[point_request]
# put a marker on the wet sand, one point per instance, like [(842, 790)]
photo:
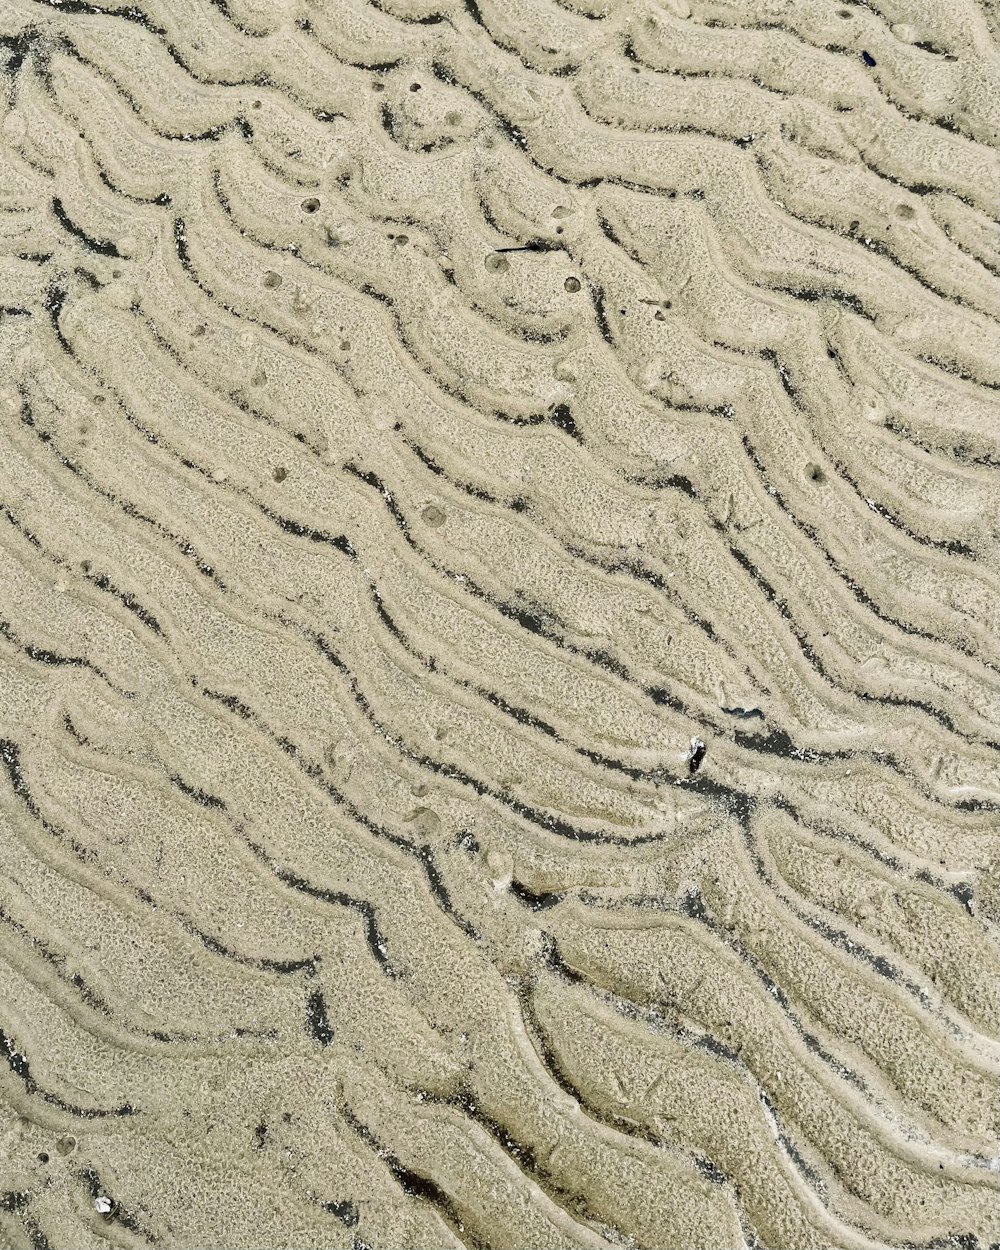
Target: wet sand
[(498, 664)]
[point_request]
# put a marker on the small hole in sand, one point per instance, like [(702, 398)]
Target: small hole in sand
[(310, 206), (497, 264), (905, 211), (414, 86), (402, 240), (272, 279), (66, 1144), (198, 332), (426, 820), (378, 86), (280, 473), (258, 104), (43, 1157), (814, 473), (433, 515), (345, 345), (658, 315), (572, 285), (100, 399), (85, 565), (853, 226), (441, 733), (844, 13)]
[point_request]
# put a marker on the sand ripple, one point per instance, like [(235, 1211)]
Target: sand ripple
[(498, 667)]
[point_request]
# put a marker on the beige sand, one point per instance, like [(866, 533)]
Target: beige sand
[(498, 676)]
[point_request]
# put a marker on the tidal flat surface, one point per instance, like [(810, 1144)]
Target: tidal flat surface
[(498, 625)]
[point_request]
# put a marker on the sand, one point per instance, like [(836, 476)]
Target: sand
[(498, 655)]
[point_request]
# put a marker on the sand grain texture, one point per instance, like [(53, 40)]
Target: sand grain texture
[(498, 666)]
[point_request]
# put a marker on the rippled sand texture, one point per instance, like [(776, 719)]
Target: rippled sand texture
[(420, 423)]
